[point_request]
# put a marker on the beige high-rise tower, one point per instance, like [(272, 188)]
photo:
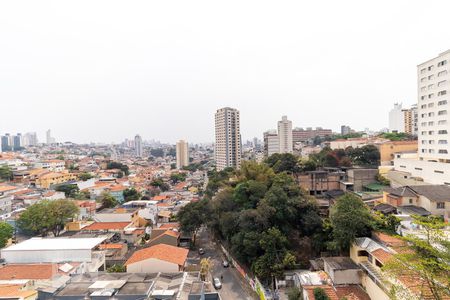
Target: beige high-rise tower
[(228, 138), (182, 154), (285, 135)]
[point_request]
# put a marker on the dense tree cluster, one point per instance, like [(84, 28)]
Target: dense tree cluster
[(400, 136), (117, 165), (178, 177), (5, 173), (85, 176), (159, 183), (6, 232), (107, 200), (131, 194), (47, 216), (70, 190), (157, 152)]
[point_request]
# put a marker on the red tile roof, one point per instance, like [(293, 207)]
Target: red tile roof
[(164, 252), (351, 292), (382, 255), (331, 293), (107, 226), (111, 246), (28, 271), (169, 225)]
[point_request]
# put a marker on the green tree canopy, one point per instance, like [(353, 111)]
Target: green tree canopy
[(131, 194), (426, 258), (350, 218), (6, 232), (192, 216), (160, 184), (158, 152), (117, 165), (5, 173), (85, 176), (47, 216), (284, 162), (107, 200), (70, 190)]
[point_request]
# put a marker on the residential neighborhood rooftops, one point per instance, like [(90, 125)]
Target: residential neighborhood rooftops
[(340, 263), (162, 252), (432, 192), (107, 226), (28, 271)]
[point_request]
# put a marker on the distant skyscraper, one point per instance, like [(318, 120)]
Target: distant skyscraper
[(17, 141), (228, 138), (49, 139), (285, 135), (182, 154), (30, 139), (396, 119), (138, 146), (6, 142), (271, 143), (345, 130)]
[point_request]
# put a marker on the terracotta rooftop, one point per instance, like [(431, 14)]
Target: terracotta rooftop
[(351, 292), (164, 252), (331, 293), (28, 271), (111, 246), (107, 226), (382, 255), (14, 291)]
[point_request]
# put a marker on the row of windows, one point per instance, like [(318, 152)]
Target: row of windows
[(441, 151), (431, 142), (431, 123), (430, 68), (431, 114), (431, 132)]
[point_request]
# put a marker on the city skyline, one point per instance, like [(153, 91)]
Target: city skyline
[(178, 75)]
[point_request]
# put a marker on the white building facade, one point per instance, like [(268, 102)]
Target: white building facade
[(271, 143), (138, 150), (396, 119), (228, 151), (285, 135)]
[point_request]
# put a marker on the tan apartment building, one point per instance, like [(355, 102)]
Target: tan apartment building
[(387, 150)]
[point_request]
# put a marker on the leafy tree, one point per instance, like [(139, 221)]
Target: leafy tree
[(60, 157), (382, 180), (387, 223), (160, 184), (6, 232), (5, 173), (350, 219), (276, 257), (117, 268), (284, 162), (158, 152), (400, 136), (192, 216), (120, 174), (108, 201), (172, 152), (85, 176), (320, 294), (131, 194), (173, 166), (47, 216), (366, 155), (178, 177), (70, 190), (117, 165), (206, 266), (426, 258), (294, 293)]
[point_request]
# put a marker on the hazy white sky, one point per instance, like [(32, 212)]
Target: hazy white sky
[(106, 70)]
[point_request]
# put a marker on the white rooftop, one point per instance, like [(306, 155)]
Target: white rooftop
[(34, 244)]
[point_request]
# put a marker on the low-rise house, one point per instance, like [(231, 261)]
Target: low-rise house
[(342, 270), (49, 179), (158, 258), (122, 214), (432, 198), (17, 289), (54, 165), (168, 237)]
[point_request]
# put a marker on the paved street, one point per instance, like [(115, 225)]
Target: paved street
[(232, 284)]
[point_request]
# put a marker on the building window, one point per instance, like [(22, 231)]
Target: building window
[(430, 68), (430, 123), (439, 172), (431, 114), (442, 112), (443, 151), (423, 70), (442, 102), (423, 106), (442, 132), (442, 93), (431, 142), (440, 205), (423, 79), (418, 169), (430, 96), (442, 142), (423, 89), (431, 77), (430, 150), (430, 104), (422, 97), (442, 63), (410, 200), (442, 83), (442, 73), (430, 86), (424, 133)]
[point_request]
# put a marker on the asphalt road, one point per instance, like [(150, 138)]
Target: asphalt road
[(233, 287)]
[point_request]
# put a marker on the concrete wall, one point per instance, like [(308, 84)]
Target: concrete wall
[(372, 289), (152, 265), (430, 172)]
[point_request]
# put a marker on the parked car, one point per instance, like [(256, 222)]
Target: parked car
[(217, 283), (201, 251), (225, 264)]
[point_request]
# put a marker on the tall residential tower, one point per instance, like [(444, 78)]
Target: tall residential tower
[(138, 146), (228, 138), (285, 135), (182, 154)]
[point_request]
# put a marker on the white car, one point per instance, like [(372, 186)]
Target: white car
[(217, 283)]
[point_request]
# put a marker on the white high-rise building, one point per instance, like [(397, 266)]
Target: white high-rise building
[(271, 143), (285, 135), (396, 119), (433, 109), (182, 154), (228, 138), (432, 162), (49, 139), (30, 139), (138, 146)]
